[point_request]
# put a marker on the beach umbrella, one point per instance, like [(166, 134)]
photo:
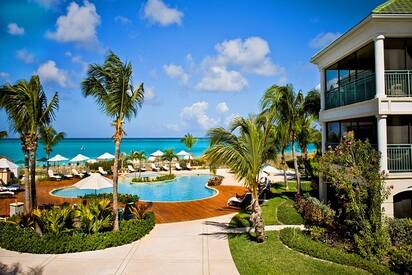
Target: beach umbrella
[(95, 182), (151, 159), (91, 161), (156, 154), (271, 170), (187, 157), (57, 158), (182, 153), (105, 156), (6, 164), (79, 158)]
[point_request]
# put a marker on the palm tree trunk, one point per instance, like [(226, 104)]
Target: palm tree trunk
[(170, 168), (256, 217), (33, 175), (295, 164), (285, 178), (115, 183), (27, 187)]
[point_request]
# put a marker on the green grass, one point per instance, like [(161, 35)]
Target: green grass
[(272, 257), (287, 213)]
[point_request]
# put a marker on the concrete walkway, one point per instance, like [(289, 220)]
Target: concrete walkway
[(195, 247)]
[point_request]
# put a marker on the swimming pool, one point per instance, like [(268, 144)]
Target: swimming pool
[(183, 188)]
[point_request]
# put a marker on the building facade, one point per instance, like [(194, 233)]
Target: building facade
[(366, 87)]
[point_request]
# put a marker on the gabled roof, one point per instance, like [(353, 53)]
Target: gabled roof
[(394, 7)]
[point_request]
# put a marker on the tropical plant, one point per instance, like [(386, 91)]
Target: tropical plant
[(168, 156), (95, 215), (244, 154), (137, 155), (28, 111), (138, 210), (312, 103), (111, 85), (285, 105), (49, 137), (306, 134), (3, 134), (55, 221), (189, 141), (282, 137)]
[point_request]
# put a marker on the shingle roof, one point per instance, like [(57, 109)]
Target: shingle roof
[(394, 7)]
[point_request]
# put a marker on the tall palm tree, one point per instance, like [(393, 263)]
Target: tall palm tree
[(168, 156), (286, 105), (139, 155), (49, 137), (312, 103), (304, 137), (3, 134), (111, 85), (282, 136), (189, 141), (28, 110), (244, 154)]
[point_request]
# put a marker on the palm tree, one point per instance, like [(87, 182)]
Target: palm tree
[(286, 105), (244, 154), (111, 85), (28, 111), (304, 137), (312, 103), (168, 156), (282, 136), (49, 137), (3, 134), (139, 155), (189, 141)]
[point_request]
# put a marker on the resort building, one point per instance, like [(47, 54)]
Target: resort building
[(366, 87)]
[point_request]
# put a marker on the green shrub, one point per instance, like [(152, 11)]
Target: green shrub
[(314, 212), (158, 178), (54, 221), (215, 181), (287, 213), (95, 216), (123, 198), (401, 259), (106, 165), (294, 239), (241, 219), (400, 231), (27, 240)]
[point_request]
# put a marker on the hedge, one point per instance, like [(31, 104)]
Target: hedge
[(157, 179), (294, 239), (123, 198), (27, 240)]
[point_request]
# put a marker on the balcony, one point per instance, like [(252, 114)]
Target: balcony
[(348, 92), (400, 158), (398, 83)]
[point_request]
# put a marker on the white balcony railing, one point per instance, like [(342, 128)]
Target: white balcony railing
[(398, 83), (400, 158)]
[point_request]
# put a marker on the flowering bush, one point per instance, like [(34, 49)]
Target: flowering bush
[(314, 212)]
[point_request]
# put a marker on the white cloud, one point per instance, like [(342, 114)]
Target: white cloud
[(218, 78), (149, 93), (197, 113), (4, 75), (78, 25), (77, 59), (158, 12), (48, 3), (222, 107), (15, 29), (229, 119), (323, 39), (25, 56), (176, 72), (50, 72), (122, 20)]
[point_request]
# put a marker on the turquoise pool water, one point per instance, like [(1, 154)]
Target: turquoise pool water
[(183, 188)]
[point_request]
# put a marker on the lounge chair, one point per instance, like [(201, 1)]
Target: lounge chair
[(155, 168), (68, 176), (241, 202), (6, 193), (53, 176), (13, 188), (142, 169), (188, 166), (178, 167), (77, 174), (101, 171), (165, 167), (130, 169)]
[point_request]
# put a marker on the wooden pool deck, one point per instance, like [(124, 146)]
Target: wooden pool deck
[(165, 212)]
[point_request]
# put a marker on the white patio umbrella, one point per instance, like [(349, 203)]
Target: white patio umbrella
[(57, 158), (182, 153), (151, 159), (79, 158), (105, 156), (156, 154), (6, 164), (271, 170), (95, 181), (189, 156)]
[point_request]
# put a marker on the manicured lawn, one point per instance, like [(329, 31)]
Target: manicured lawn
[(272, 257)]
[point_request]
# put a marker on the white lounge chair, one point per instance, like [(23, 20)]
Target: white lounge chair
[(8, 193), (77, 174), (68, 176), (165, 167), (142, 169), (188, 166), (53, 176), (101, 171), (178, 167), (155, 168), (130, 169)]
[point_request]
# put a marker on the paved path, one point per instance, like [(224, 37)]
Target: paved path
[(194, 247)]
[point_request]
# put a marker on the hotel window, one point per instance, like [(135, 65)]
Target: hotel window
[(363, 129), (399, 130), (398, 54)]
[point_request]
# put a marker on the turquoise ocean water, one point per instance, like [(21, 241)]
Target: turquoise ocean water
[(94, 147)]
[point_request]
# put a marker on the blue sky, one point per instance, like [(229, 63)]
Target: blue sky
[(202, 62)]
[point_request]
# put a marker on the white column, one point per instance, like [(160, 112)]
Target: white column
[(322, 89), (322, 185), (380, 66), (382, 142)]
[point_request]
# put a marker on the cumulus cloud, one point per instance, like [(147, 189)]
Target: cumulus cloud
[(323, 39), (176, 72), (149, 93), (197, 113), (222, 107), (14, 29), (4, 75), (49, 72), (25, 56), (77, 59), (78, 25), (219, 78), (158, 12), (122, 20)]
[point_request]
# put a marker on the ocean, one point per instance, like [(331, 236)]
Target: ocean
[(94, 147)]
